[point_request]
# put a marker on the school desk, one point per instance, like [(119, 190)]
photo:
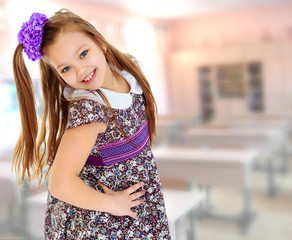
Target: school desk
[(183, 208), (212, 167), (281, 125), (265, 140)]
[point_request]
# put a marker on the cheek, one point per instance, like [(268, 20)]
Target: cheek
[(69, 79)]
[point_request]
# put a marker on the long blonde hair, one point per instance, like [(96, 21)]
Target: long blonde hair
[(36, 148)]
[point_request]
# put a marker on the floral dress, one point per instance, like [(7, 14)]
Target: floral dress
[(65, 221)]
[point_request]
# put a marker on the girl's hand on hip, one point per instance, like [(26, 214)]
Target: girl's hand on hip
[(124, 200)]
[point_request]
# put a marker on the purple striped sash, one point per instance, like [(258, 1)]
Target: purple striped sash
[(121, 150)]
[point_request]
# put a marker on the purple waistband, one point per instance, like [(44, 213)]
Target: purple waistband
[(121, 150)]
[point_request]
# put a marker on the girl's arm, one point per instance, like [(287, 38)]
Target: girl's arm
[(66, 185)]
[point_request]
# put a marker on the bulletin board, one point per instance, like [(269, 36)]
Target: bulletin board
[(230, 81)]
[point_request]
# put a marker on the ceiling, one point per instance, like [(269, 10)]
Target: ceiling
[(179, 8)]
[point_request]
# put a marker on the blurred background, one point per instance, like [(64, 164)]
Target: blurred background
[(221, 73)]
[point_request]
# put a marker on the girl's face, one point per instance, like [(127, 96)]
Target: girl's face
[(79, 60)]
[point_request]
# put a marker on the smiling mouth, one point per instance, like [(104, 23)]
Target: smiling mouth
[(89, 77)]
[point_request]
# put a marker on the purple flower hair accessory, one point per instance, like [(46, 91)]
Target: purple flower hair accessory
[(31, 34)]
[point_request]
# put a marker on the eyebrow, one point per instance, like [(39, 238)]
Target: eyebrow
[(77, 51)]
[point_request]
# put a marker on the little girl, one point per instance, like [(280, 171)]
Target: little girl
[(97, 127)]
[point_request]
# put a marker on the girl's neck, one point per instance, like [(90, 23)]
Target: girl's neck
[(115, 82)]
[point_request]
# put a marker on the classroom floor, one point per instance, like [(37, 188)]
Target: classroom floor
[(273, 221), (274, 218)]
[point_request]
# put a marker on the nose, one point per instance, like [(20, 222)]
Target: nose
[(80, 71)]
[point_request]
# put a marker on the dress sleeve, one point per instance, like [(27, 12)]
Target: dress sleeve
[(86, 111)]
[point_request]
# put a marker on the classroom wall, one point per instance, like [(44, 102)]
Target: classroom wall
[(239, 36), (174, 49)]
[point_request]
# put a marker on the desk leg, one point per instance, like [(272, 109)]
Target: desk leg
[(244, 220), (284, 159), (248, 214), (209, 207), (272, 188), (193, 216), (23, 220), (206, 206), (173, 230)]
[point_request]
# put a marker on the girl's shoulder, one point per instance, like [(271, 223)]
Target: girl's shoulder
[(85, 111), (77, 95)]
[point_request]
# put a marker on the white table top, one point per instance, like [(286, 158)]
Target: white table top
[(39, 198), (220, 167), (248, 123), (178, 203), (264, 139), (203, 154), (6, 171), (230, 131), (9, 189), (276, 115)]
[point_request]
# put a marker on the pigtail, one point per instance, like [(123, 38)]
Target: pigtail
[(55, 114), (24, 153)]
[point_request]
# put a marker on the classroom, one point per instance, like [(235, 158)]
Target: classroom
[(220, 73)]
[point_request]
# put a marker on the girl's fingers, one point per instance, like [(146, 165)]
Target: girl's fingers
[(104, 187), (134, 196), (133, 215), (135, 187), (137, 202)]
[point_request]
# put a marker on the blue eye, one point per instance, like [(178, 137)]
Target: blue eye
[(65, 69), (83, 54)]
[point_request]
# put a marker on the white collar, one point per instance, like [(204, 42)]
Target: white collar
[(117, 100)]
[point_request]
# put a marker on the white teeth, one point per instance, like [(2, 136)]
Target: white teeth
[(88, 78)]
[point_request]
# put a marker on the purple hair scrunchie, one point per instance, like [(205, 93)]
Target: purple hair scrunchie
[(31, 34)]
